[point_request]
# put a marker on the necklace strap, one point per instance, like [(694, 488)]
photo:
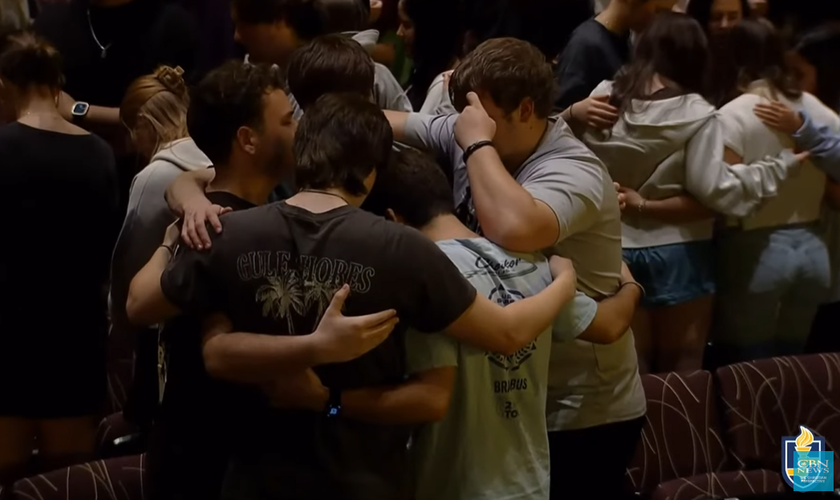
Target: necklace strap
[(328, 193)]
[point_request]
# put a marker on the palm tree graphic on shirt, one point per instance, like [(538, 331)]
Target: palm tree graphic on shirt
[(281, 298), (286, 296)]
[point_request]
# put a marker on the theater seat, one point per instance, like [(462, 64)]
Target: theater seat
[(767, 399), (112, 479), (720, 485), (681, 437), (116, 437)]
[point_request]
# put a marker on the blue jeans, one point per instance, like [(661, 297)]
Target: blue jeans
[(770, 284)]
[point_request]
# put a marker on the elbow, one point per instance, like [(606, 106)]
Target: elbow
[(136, 309), (214, 361), (512, 342), (515, 235)]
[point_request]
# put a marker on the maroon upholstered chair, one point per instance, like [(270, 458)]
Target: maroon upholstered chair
[(732, 484), (767, 399), (681, 454), (681, 436), (113, 479), (116, 437)]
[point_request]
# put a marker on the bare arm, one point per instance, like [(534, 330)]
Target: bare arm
[(187, 187), (487, 325), (614, 316), (146, 304), (252, 358), (424, 398), (519, 222), (675, 210)]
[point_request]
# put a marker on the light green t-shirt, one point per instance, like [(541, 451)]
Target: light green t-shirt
[(492, 444)]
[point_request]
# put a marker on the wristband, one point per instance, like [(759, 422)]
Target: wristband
[(642, 205), (171, 250), (475, 147), (333, 409)]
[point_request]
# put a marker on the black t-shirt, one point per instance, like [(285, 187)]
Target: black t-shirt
[(274, 269), (59, 231), (198, 416), (593, 54), (139, 36)]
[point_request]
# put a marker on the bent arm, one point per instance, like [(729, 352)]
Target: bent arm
[(716, 177), (146, 304), (509, 215), (424, 398), (676, 210), (614, 316), (489, 326), (188, 186), (252, 358), (823, 143)]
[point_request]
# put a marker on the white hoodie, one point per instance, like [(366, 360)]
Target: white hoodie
[(146, 221), (665, 148)]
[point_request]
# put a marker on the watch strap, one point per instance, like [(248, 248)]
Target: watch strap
[(333, 409)]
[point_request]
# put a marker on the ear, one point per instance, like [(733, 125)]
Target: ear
[(391, 216), (526, 110), (247, 140)]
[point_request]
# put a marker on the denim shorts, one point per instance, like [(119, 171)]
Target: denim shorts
[(673, 274)]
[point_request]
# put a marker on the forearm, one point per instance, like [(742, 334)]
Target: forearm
[(251, 358), (146, 303), (823, 144), (411, 403), (525, 320), (614, 316), (188, 186), (102, 116), (675, 210), (508, 214)]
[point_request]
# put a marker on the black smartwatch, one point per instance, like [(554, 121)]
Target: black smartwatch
[(79, 111), (333, 409)]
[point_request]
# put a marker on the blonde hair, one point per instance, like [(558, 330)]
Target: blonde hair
[(14, 14), (162, 99)]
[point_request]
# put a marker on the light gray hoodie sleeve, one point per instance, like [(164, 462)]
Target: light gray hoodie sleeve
[(389, 93), (733, 190)]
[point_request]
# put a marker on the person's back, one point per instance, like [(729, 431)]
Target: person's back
[(800, 198), (46, 173), (52, 353), (507, 394)]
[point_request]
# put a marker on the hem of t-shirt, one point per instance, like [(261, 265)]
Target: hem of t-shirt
[(597, 423)]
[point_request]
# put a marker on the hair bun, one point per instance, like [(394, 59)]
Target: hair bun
[(172, 79)]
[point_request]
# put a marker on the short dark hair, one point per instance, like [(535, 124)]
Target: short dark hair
[(229, 97), (308, 18), (509, 70), (819, 47), (340, 141), (28, 60), (414, 187), (330, 64)]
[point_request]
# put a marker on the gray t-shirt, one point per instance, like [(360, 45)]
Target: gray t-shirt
[(497, 414), (590, 384)]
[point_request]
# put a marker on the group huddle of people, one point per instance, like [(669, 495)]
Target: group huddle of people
[(344, 285)]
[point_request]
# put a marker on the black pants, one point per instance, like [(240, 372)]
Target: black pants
[(591, 463), (825, 332)]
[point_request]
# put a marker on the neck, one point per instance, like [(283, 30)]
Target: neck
[(447, 227), (36, 102), (253, 188), (323, 200), (614, 18), (528, 140)]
